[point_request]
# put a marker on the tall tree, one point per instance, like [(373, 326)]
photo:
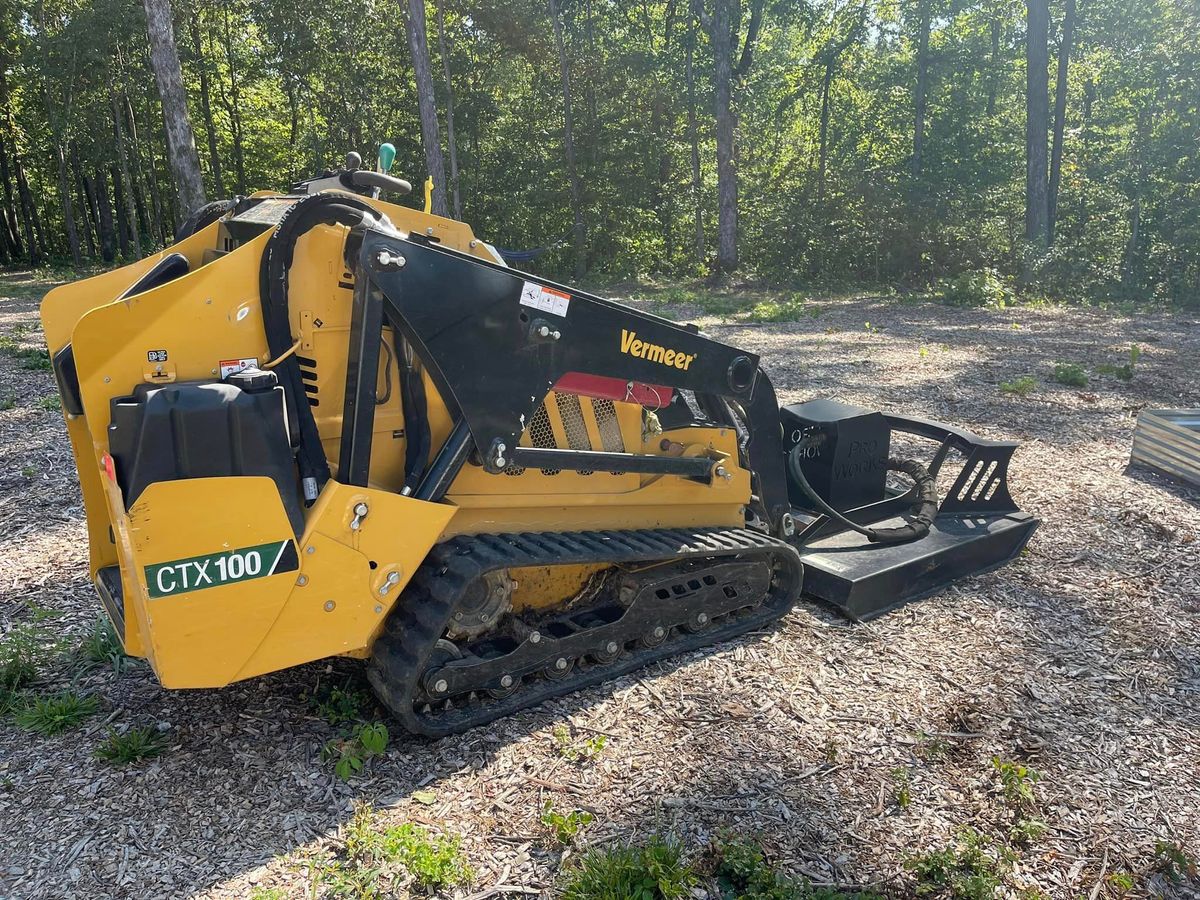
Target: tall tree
[(921, 90), (724, 29), (418, 43), (1060, 117), (1037, 117), (452, 144), (579, 227), (181, 142)]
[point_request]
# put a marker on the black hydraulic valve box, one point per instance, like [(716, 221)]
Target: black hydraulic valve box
[(842, 451)]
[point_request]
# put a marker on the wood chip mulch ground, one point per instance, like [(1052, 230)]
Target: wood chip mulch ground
[(1080, 660)]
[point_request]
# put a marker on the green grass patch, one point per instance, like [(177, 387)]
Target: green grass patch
[(50, 714), (50, 403), (131, 745), (652, 871), (102, 646), (36, 358), (1070, 374), (788, 309), (578, 751), (1022, 387), (7, 403)]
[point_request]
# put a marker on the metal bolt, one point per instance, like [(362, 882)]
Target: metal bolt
[(302, 580), (458, 617), (378, 610), (702, 619), (329, 605), (500, 448), (383, 590), (611, 647), (556, 335), (360, 509), (386, 259), (107, 379), (506, 681), (429, 230), (535, 637), (659, 631), (310, 549), (501, 462), (473, 244), (722, 472), (560, 663), (441, 686), (543, 331), (393, 577), (788, 525)]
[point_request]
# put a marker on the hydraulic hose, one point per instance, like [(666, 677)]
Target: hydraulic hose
[(923, 511)]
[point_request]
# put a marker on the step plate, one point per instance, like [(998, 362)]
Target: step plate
[(864, 580)]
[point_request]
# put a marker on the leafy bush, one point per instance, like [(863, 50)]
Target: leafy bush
[(1022, 387), (972, 869), (20, 651), (132, 745), (1125, 370), (743, 874), (982, 287), (350, 753), (1070, 374), (51, 714), (1173, 861), (1016, 783), (564, 827), (434, 861), (652, 871)]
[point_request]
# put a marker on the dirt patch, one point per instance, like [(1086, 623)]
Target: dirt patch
[(1080, 660)]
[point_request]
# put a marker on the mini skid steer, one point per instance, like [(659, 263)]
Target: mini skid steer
[(322, 424)]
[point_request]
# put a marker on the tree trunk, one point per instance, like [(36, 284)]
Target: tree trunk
[(11, 215), (579, 227), (123, 187), (1060, 115), (722, 36), (181, 143), (68, 206), (104, 216), (994, 68), (694, 138), (823, 137), (426, 104), (140, 201), (1037, 116), (233, 106), (124, 229), (89, 212), (441, 24), (922, 88), (210, 129)]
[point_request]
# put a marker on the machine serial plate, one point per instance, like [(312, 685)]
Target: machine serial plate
[(182, 576)]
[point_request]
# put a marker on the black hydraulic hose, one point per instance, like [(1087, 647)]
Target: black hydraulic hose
[(924, 509), (304, 215)]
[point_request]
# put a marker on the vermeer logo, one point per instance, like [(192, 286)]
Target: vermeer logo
[(653, 352)]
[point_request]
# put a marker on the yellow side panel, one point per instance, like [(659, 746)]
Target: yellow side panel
[(202, 638), (351, 577)]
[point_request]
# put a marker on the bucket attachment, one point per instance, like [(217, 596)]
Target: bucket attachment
[(841, 454)]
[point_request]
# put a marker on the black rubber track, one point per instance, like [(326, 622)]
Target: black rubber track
[(402, 652)]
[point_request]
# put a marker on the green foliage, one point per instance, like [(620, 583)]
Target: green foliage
[(1070, 374), (350, 753), (341, 706), (20, 653), (102, 646), (973, 868), (1016, 783), (1173, 861), (743, 874), (654, 870), (374, 852), (1121, 881), (50, 403), (564, 827), (1022, 386), (902, 787), (789, 309), (982, 287), (1026, 831), (577, 751), (7, 403), (36, 358), (131, 745), (266, 893), (1125, 370), (50, 714)]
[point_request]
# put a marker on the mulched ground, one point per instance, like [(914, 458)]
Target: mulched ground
[(1081, 660)]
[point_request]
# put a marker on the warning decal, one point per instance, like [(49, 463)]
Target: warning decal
[(545, 299), (233, 366)]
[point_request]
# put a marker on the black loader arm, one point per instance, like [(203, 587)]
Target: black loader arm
[(495, 341)]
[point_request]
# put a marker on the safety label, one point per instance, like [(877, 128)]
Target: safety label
[(233, 366), (182, 576), (546, 299)]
